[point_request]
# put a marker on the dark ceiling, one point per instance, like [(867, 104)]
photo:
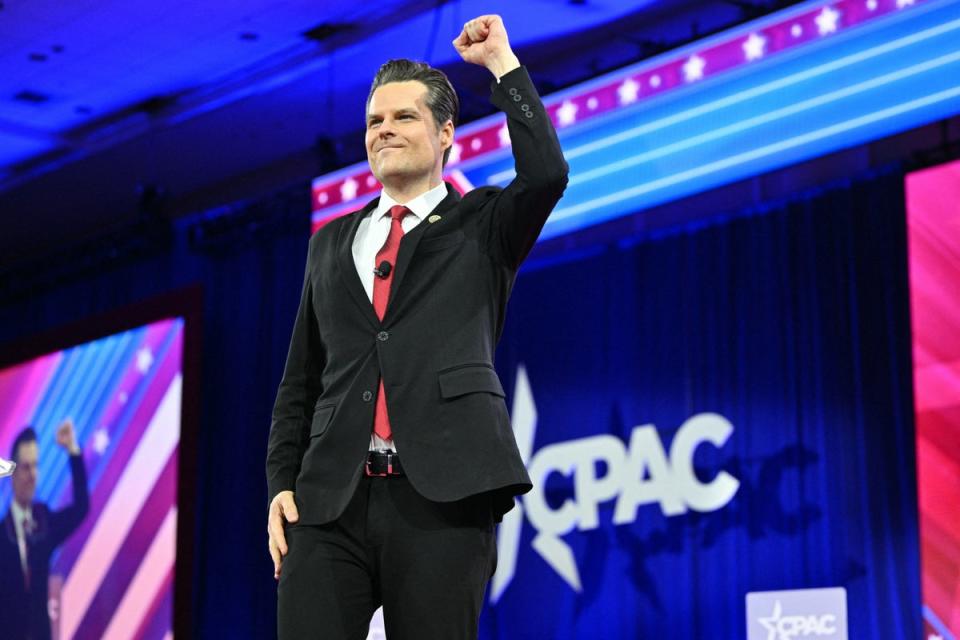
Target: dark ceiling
[(111, 111)]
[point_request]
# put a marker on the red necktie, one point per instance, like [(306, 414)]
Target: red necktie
[(381, 293)]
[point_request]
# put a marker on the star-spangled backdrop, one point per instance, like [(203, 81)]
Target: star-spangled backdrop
[(800, 83), (123, 393), (786, 318)]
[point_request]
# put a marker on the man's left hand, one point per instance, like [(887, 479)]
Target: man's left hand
[(483, 41), (67, 437)]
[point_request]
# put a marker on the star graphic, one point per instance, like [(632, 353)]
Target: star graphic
[(655, 81), (693, 68), (144, 360), (101, 440), (592, 103), (504, 135), (796, 30), (627, 92), (122, 398), (371, 181), (827, 20), (475, 144), (348, 190), (455, 152), (904, 3), (872, 5), (567, 113), (523, 416), (770, 623), (754, 47), (323, 197)]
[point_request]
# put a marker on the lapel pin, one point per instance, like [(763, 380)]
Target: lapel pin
[(433, 218)]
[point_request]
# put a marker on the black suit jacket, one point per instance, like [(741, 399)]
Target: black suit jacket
[(434, 347), (23, 614)]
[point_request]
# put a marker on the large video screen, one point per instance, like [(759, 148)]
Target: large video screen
[(90, 513), (933, 221)]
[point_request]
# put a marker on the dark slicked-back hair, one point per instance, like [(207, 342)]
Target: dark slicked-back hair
[(441, 98), (26, 435)]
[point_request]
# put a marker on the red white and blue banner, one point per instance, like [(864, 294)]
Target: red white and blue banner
[(813, 79), (113, 577)]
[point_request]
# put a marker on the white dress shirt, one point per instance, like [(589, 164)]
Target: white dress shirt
[(372, 235)]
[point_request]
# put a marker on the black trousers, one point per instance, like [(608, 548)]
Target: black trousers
[(427, 563)]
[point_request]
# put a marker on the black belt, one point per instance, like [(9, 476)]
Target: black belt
[(383, 463)]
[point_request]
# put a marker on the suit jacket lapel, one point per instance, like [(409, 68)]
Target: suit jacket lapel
[(348, 268), (409, 242), (10, 527)]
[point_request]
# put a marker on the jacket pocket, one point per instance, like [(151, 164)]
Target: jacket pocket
[(438, 243), (321, 418), (469, 379)]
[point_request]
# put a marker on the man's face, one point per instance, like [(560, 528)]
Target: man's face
[(25, 475), (404, 144)]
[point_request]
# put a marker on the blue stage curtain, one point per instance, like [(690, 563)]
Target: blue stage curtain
[(791, 321)]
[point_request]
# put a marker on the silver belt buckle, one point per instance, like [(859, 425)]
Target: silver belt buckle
[(390, 455)]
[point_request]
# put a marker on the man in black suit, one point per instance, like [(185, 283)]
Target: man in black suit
[(391, 454), (31, 533)]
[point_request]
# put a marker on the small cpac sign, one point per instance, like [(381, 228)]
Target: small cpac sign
[(802, 614)]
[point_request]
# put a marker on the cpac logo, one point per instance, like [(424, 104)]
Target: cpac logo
[(639, 474), (788, 627), (814, 613)]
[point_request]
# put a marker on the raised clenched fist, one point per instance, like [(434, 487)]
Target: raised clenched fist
[(67, 437), (483, 41)]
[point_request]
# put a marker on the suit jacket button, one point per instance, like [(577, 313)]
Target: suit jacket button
[(383, 336), (367, 396)]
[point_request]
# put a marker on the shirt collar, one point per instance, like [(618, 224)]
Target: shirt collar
[(19, 512), (421, 206)]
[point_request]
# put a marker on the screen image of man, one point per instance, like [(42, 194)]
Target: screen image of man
[(391, 454), (31, 532)]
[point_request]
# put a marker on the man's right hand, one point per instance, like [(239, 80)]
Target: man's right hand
[(282, 509)]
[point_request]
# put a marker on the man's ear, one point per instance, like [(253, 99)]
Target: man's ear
[(446, 135)]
